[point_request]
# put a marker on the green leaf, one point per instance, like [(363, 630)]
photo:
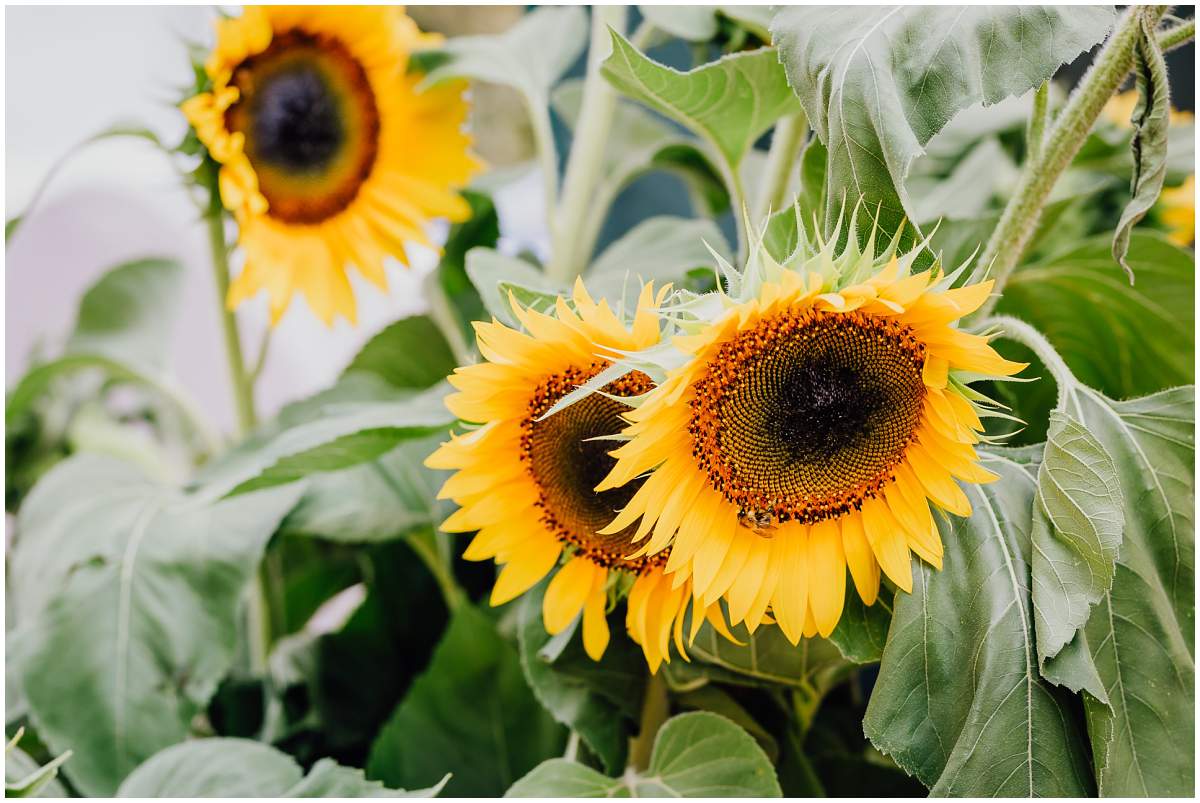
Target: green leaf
[(1135, 657), (764, 658), (127, 596), (123, 326), (410, 353), (599, 700), (697, 754), (1124, 341), (345, 434), (482, 228), (660, 249), (877, 83), (693, 23), (1151, 118), (531, 56), (959, 702), (716, 700), (1077, 523), (245, 768), (862, 631), (470, 714), (729, 102), (495, 275)]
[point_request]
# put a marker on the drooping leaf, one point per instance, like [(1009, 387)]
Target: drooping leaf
[(127, 596), (1078, 518), (1124, 341), (531, 56), (1135, 657), (470, 714), (698, 754), (1151, 118), (219, 767), (877, 83), (598, 700), (729, 102), (959, 702)]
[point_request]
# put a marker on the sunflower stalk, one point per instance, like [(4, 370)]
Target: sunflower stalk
[(1019, 221), (1021, 332), (786, 144), (655, 708), (587, 151), (427, 551)]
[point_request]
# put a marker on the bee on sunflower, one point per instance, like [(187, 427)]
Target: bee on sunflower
[(330, 154), (525, 480), (811, 418)]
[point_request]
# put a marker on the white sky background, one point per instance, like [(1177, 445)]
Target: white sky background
[(73, 71)]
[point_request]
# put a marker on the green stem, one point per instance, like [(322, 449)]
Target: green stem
[(1035, 133), (543, 140), (1019, 221), (1021, 332), (441, 312), (587, 150), (781, 159), (243, 390), (655, 707), (737, 202), (1177, 36), (440, 570)]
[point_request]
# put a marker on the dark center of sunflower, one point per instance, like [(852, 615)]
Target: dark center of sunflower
[(308, 113), (567, 465), (808, 413)]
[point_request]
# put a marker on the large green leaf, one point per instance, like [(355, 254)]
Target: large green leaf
[(599, 700), (127, 596), (244, 768), (1124, 341), (878, 82), (1078, 519), (959, 702), (1135, 657), (764, 658), (729, 102), (496, 275), (659, 249), (470, 714), (530, 56), (698, 754), (24, 777)]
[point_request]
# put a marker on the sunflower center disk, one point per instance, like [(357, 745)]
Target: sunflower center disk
[(808, 413), (566, 465), (311, 125)]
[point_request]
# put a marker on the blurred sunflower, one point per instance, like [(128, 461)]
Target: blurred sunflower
[(811, 423), (330, 156), (525, 480), (1177, 211)]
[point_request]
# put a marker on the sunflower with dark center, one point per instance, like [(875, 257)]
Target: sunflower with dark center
[(330, 156), (808, 430), (525, 478)]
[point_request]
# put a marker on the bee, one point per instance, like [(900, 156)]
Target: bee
[(761, 524)]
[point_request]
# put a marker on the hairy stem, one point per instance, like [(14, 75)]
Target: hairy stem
[(1019, 221), (587, 150), (239, 380), (655, 707), (1178, 36), (781, 159), (543, 140), (1035, 133), (1021, 332)]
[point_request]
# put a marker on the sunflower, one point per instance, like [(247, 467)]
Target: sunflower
[(525, 479), (810, 425), (330, 156)]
